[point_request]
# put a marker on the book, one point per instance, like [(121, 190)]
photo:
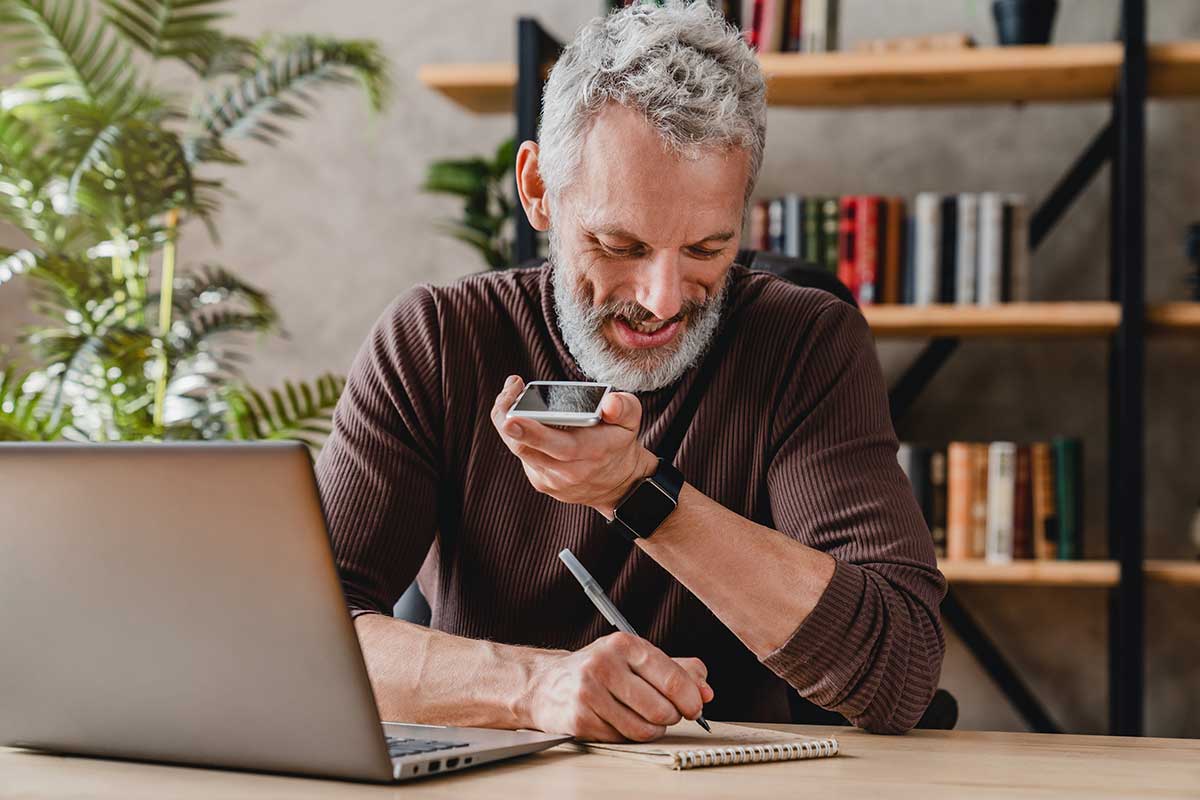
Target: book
[(979, 499), (1023, 505), (928, 249), (813, 253), (775, 225), (1000, 491), (792, 226), (1067, 455), (814, 13), (959, 500), (937, 500), (687, 746), (893, 252), (966, 254), (848, 244), (772, 31), (908, 294), (989, 287), (794, 37), (1006, 252), (752, 11), (866, 255), (1020, 263), (758, 226), (830, 221), (1045, 515), (948, 250)]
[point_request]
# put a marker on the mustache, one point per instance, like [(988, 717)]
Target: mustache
[(635, 313)]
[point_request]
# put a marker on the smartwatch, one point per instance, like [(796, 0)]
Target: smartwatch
[(649, 503)]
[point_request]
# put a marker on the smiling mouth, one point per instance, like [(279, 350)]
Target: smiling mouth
[(645, 335)]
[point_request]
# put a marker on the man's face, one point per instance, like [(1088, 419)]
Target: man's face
[(641, 244)]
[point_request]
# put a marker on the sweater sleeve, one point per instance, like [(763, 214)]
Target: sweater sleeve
[(378, 472), (872, 647)]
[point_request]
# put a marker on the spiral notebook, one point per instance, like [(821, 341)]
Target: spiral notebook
[(686, 746)]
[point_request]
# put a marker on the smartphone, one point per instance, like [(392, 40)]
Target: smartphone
[(560, 403)]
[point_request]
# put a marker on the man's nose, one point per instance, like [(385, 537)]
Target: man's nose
[(660, 287)]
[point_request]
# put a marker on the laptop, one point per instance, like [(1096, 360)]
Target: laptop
[(179, 603)]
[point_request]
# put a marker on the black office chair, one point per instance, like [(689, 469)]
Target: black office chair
[(942, 713)]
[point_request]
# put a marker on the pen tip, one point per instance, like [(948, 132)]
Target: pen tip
[(703, 723)]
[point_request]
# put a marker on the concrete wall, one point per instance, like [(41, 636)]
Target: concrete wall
[(333, 224)]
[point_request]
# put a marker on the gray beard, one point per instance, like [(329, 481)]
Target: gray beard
[(582, 324)]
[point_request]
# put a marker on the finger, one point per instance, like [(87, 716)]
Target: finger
[(560, 445), (512, 389), (629, 723), (671, 680), (623, 409), (695, 667), (631, 690)]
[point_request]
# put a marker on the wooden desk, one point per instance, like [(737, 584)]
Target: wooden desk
[(923, 764)]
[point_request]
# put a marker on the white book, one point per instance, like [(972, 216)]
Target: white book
[(775, 225), (989, 288), (967, 252), (1019, 256), (1002, 481), (791, 225), (813, 28), (927, 229), (904, 454)]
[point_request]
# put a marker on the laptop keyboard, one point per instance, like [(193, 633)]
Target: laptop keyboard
[(398, 747)]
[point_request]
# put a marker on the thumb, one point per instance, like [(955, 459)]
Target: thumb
[(622, 408)]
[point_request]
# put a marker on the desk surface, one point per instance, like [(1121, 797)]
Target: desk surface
[(923, 764)]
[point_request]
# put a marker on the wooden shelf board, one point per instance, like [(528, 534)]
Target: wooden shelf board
[(1173, 319), (1033, 573), (1055, 73), (1008, 319), (482, 88), (1180, 573)]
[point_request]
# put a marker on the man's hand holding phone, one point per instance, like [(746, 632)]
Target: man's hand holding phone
[(593, 466)]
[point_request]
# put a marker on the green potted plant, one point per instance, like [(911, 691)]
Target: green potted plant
[(100, 169), (485, 185)]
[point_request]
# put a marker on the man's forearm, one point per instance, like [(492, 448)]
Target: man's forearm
[(427, 676), (759, 582)]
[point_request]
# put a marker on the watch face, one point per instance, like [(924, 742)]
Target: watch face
[(645, 509)]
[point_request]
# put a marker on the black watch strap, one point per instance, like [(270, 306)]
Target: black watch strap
[(667, 483)]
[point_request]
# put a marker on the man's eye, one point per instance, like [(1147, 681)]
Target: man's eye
[(621, 252), (704, 252)]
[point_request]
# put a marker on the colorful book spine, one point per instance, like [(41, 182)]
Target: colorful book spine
[(758, 226), (849, 244), (948, 250), (959, 500), (1021, 278), (1000, 493), (1045, 515), (775, 226), (866, 255), (814, 254), (830, 228), (894, 253), (794, 41), (937, 500), (793, 229), (1023, 505), (979, 499)]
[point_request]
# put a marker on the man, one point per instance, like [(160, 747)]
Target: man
[(796, 559)]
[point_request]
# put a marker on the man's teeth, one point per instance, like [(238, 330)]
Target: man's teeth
[(646, 327)]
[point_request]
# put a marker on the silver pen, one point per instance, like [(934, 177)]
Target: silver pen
[(604, 605)]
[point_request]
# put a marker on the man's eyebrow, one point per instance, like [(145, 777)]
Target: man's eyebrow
[(621, 233)]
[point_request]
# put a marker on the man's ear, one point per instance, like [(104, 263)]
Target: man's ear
[(530, 187)]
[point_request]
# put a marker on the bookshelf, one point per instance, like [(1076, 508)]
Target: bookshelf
[(1034, 74), (1122, 75)]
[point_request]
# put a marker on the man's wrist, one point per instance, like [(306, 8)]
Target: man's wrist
[(646, 465)]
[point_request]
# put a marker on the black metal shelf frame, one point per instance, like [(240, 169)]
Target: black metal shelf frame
[(1121, 144)]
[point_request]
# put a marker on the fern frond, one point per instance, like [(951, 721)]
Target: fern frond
[(256, 104), (176, 29), (15, 262), (302, 411), (57, 47), (23, 414)]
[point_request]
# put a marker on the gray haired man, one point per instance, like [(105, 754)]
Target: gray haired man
[(795, 559)]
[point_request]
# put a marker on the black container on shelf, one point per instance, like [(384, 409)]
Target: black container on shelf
[(1024, 21)]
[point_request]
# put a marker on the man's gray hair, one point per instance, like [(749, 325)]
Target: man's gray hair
[(681, 65)]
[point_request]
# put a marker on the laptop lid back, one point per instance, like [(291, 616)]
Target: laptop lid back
[(178, 602)]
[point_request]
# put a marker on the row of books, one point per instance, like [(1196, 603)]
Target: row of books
[(964, 249), (1000, 501), (778, 26)]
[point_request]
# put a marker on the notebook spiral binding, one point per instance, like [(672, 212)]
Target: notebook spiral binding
[(722, 756)]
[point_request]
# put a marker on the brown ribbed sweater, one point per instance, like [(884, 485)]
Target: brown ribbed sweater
[(793, 432)]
